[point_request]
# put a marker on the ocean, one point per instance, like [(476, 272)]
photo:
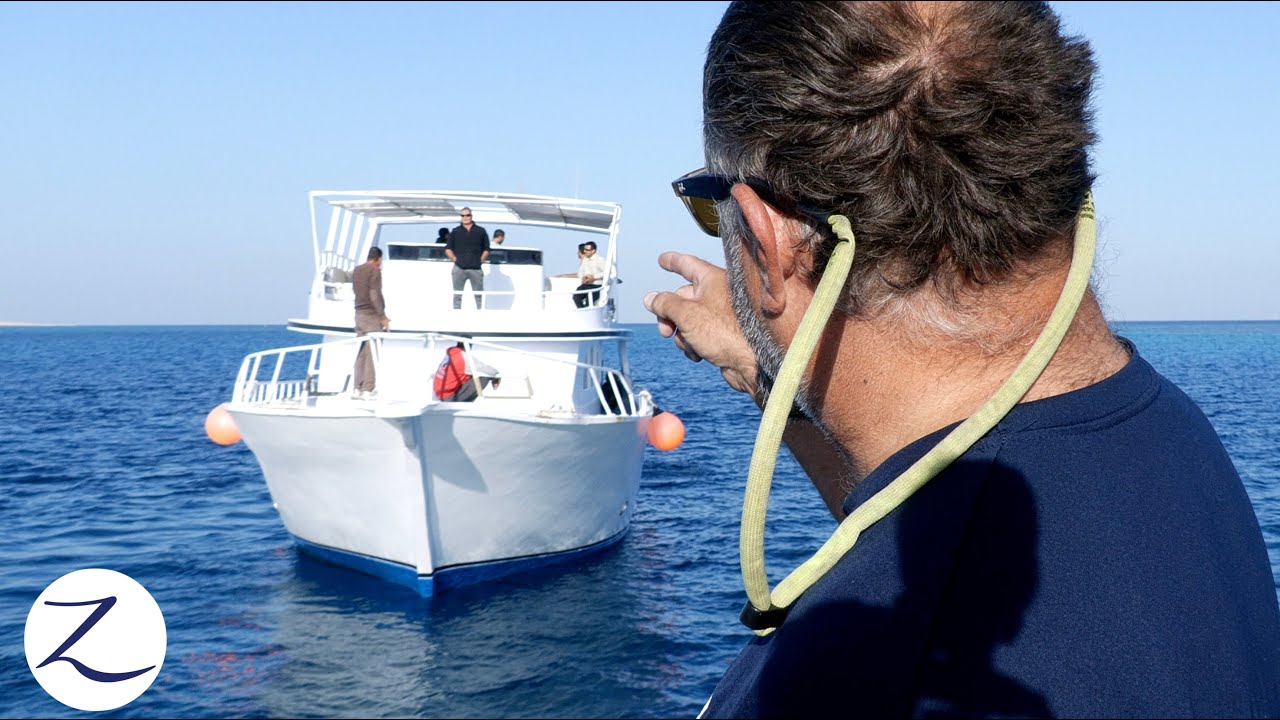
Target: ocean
[(105, 464)]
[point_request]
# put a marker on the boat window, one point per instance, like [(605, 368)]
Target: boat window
[(515, 257), (435, 253)]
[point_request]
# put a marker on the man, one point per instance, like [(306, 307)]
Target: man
[(591, 272), (370, 317), (1088, 551), (499, 236), (468, 248)]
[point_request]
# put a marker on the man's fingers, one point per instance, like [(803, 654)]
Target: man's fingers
[(666, 328), (666, 305), (669, 308), (690, 267)]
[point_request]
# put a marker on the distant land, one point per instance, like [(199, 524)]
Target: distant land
[(16, 323)]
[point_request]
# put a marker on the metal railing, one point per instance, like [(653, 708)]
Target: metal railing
[(614, 391), (343, 291), (333, 278), (330, 259), (252, 390)]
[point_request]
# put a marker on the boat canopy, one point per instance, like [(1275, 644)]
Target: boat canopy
[(357, 216), (409, 206)]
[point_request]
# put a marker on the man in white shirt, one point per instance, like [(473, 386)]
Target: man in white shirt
[(591, 272)]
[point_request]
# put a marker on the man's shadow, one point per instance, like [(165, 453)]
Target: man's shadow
[(965, 559)]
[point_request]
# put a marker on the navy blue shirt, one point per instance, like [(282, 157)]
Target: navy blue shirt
[(1095, 555), (468, 246)]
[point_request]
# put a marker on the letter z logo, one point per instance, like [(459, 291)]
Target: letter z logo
[(118, 649), (104, 607)]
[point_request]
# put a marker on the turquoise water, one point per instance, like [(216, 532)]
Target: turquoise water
[(106, 464)]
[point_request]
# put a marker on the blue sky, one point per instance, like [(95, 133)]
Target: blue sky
[(156, 156)]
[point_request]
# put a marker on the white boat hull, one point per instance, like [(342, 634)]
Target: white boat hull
[(446, 496)]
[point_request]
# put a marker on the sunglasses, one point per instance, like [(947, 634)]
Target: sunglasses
[(701, 190)]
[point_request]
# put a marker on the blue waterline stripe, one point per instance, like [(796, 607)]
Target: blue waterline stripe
[(450, 576)]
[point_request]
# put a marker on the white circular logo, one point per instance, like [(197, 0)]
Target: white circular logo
[(95, 639)]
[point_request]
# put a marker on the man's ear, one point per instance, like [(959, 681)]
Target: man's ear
[(776, 254)]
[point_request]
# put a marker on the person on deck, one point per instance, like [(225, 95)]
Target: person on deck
[(371, 316), (591, 272), (461, 376), (468, 248)]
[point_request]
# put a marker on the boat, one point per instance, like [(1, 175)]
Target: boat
[(540, 467)]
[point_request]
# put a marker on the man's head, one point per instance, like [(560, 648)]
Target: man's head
[(954, 136), (375, 256), (466, 217), (588, 248), (499, 236), (443, 235)]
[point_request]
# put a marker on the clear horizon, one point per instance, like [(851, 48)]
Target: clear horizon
[(159, 154)]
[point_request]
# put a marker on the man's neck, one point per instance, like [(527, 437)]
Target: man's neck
[(886, 388)]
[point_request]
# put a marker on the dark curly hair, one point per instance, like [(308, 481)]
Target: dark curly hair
[(955, 137)]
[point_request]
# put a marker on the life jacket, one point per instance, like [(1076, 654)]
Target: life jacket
[(452, 374)]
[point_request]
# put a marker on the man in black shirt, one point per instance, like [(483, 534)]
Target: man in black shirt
[(468, 248)]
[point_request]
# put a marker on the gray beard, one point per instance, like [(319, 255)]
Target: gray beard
[(769, 355)]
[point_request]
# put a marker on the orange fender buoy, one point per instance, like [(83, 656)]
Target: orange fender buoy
[(221, 427), (666, 431)]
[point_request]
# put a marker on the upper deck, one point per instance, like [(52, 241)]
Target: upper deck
[(521, 295)]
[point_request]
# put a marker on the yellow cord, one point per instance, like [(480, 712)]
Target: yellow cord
[(770, 607)]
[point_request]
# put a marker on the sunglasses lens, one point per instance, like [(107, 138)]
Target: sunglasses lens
[(704, 213)]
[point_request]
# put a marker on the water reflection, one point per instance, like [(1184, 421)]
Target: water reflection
[(572, 640)]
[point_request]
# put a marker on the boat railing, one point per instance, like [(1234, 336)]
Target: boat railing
[(331, 259), (565, 298), (335, 283), (614, 390), (335, 277), (251, 389)]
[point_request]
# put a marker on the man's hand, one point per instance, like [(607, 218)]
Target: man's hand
[(587, 279), (701, 318), (386, 323)]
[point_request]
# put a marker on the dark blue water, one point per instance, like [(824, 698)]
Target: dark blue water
[(105, 464)]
